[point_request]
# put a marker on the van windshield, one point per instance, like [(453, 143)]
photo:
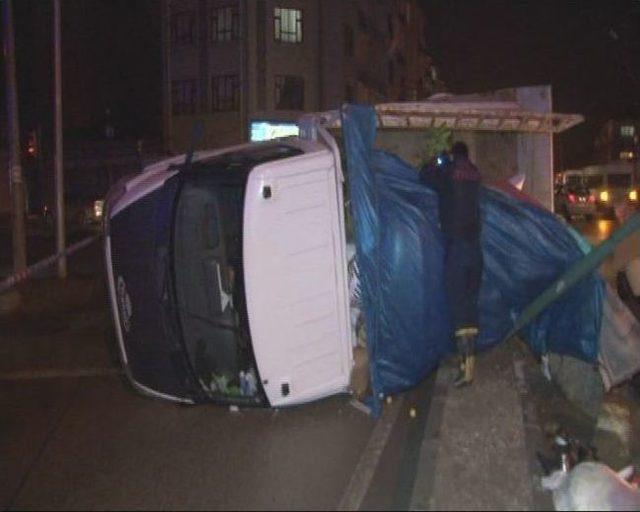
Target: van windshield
[(619, 180), (209, 287), (209, 273), (573, 180), (594, 181)]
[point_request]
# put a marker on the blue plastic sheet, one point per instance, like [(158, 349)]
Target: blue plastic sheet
[(400, 257)]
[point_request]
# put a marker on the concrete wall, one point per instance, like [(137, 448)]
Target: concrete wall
[(496, 154), (408, 145), (499, 155), (535, 151)]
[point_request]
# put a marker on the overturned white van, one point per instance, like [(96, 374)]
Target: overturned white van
[(228, 275), (228, 272)]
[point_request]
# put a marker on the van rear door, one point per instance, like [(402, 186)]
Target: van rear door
[(295, 278)]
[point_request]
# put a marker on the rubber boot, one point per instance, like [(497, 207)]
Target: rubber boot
[(466, 351)]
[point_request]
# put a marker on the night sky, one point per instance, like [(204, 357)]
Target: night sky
[(111, 59), (588, 51)]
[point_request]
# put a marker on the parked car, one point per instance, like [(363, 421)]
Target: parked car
[(575, 200)]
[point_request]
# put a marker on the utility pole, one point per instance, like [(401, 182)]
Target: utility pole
[(13, 133), (166, 76), (244, 74), (60, 216)]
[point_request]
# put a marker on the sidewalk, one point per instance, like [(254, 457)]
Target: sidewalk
[(477, 453), (54, 327), (480, 443)]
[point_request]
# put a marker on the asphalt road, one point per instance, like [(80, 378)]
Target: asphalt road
[(74, 435), (595, 231), (90, 442)]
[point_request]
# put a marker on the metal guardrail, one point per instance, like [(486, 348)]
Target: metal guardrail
[(32, 270)]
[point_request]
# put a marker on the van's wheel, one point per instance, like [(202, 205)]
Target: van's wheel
[(565, 214)]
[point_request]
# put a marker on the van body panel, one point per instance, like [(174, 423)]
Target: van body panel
[(294, 247)]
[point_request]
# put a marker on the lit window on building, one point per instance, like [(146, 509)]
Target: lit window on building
[(626, 155), (184, 97), (183, 28), (287, 25), (627, 130), (225, 93), (225, 24), (289, 92)]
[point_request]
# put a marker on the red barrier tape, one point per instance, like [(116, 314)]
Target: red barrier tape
[(32, 270)]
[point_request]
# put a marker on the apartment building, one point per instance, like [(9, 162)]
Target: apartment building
[(618, 139), (249, 68)]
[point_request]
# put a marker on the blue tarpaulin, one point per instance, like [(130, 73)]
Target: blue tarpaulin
[(400, 257)]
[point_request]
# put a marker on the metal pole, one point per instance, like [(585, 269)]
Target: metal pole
[(13, 131), (166, 76), (60, 216), (244, 42)]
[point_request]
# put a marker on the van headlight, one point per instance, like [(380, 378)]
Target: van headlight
[(604, 196), (633, 195)]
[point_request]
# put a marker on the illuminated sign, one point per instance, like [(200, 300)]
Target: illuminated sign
[(267, 130), (627, 130)]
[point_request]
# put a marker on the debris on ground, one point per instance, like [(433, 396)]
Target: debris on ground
[(593, 486), (357, 404)]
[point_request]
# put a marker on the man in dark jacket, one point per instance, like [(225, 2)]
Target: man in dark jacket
[(457, 182)]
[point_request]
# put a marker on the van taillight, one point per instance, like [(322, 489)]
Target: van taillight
[(572, 198)]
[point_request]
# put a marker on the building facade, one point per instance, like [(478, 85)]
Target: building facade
[(618, 140), (238, 65)]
